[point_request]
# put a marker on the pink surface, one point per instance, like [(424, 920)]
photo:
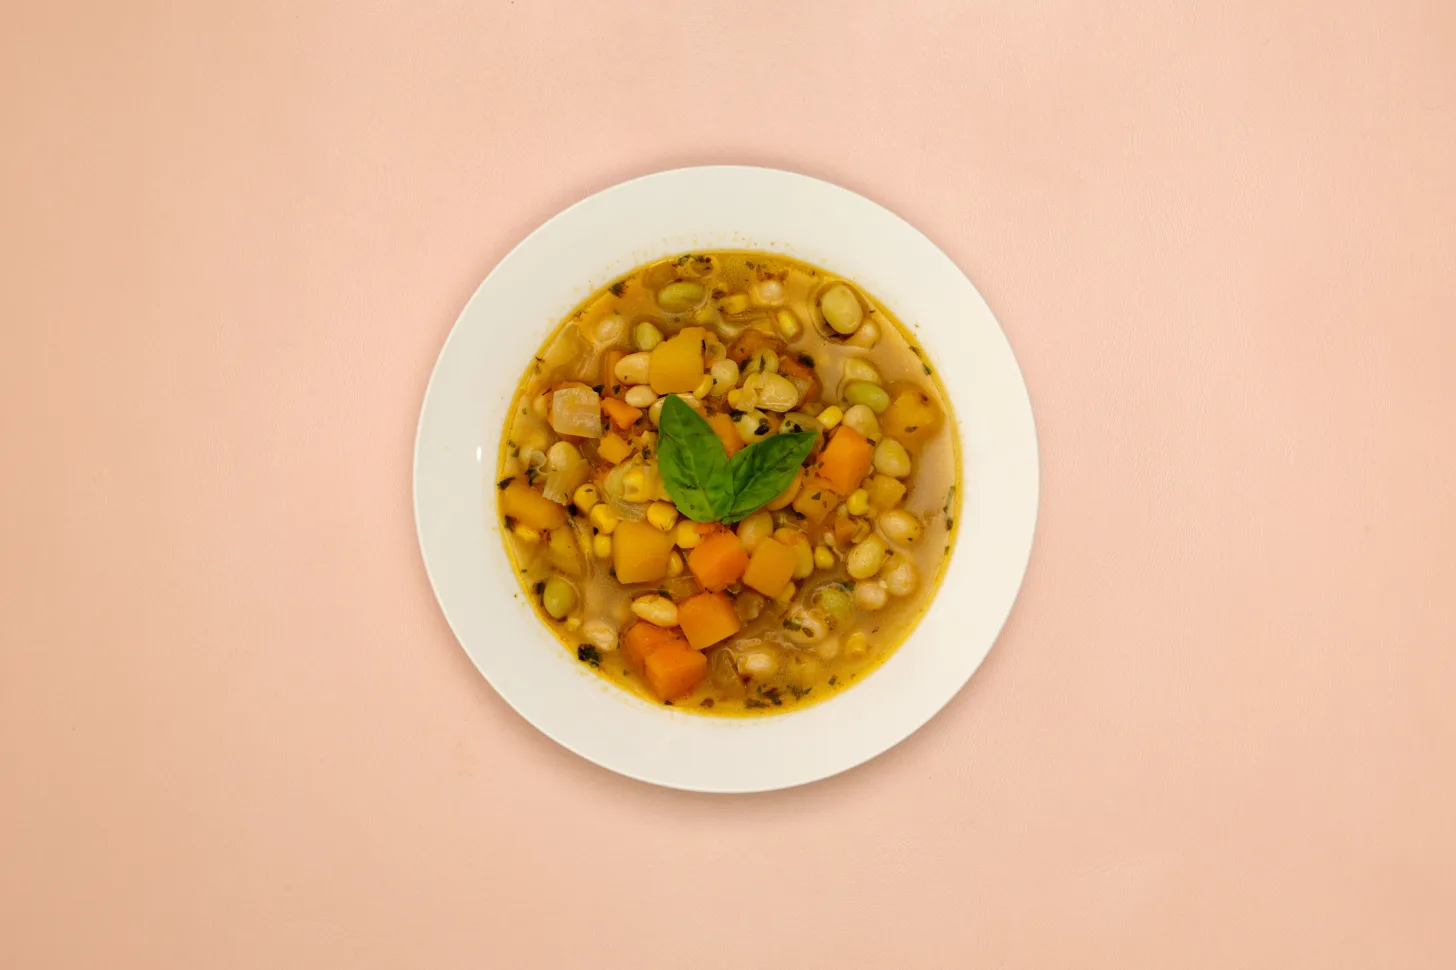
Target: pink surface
[(1218, 731)]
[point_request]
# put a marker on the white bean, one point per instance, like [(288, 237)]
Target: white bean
[(657, 610), (866, 558), (901, 577), (633, 368), (892, 459), (725, 376), (863, 420), (900, 526), (754, 529), (603, 636), (859, 369), (870, 596), (640, 396)]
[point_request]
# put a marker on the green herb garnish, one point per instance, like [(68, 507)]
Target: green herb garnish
[(705, 484)]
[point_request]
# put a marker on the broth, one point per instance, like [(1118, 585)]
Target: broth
[(747, 610)]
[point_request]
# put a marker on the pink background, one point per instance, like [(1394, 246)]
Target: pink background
[(1218, 731)]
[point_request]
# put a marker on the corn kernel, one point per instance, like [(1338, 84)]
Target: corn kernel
[(585, 498), (663, 515), (602, 546), (736, 303), (858, 502), (525, 533), (734, 397), (674, 563), (823, 558), (831, 416), (704, 388), (788, 594), (788, 324), (687, 534), (605, 519)]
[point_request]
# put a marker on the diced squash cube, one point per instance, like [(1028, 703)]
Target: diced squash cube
[(727, 433), (707, 618), (770, 568), (673, 671), (845, 460), (642, 639), (640, 552), (576, 410), (912, 416), (613, 447), (622, 414), (815, 500), (564, 551), (523, 503), (676, 365), (885, 493), (718, 560)]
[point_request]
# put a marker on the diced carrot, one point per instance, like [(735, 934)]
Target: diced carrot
[(523, 503), (642, 638), (707, 618), (672, 672), (613, 448), (815, 499), (718, 560), (750, 342), (727, 433), (846, 460), (640, 552), (771, 567), (792, 367), (623, 415)]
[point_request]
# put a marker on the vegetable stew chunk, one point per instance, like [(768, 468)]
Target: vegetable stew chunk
[(729, 483)]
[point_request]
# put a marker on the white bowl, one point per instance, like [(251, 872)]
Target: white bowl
[(542, 280)]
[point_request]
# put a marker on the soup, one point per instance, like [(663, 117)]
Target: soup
[(728, 483)]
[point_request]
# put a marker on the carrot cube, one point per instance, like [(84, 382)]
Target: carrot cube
[(845, 460), (707, 618), (673, 671), (718, 560)]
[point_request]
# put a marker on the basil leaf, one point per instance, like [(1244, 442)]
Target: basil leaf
[(764, 469), (692, 463)]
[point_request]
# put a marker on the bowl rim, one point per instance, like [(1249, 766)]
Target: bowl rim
[(997, 433)]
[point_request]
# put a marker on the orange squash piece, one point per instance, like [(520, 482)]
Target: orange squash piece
[(640, 552), (845, 460), (612, 448), (727, 433), (673, 671), (642, 639), (707, 618), (815, 500), (912, 417), (718, 560), (523, 503), (770, 568), (623, 415)]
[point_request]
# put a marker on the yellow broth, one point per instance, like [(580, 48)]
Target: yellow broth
[(576, 467)]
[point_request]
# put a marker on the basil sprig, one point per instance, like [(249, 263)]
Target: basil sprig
[(705, 484)]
